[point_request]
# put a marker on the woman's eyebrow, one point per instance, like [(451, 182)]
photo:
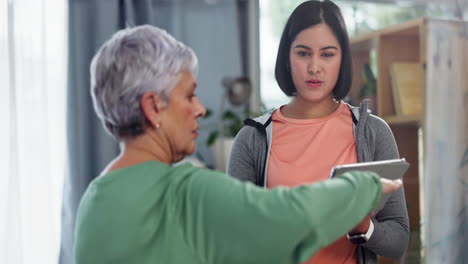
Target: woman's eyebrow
[(302, 46), (329, 47), (307, 48)]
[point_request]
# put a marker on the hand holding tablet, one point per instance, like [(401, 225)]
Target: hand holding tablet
[(391, 172), (389, 186)]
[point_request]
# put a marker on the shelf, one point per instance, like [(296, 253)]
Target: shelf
[(412, 120), (408, 28), (438, 45), (364, 42)]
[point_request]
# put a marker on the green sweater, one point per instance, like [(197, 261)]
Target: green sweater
[(156, 213)]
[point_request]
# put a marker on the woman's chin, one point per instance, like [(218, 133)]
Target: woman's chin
[(191, 150), (181, 155)]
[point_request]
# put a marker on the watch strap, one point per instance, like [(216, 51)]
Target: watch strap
[(362, 238)]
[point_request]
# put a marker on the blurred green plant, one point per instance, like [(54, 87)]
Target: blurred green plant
[(369, 82), (232, 122), (369, 87)]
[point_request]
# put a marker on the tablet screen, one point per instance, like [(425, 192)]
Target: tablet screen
[(390, 169)]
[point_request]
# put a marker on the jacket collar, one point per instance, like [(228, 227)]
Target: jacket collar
[(265, 119)]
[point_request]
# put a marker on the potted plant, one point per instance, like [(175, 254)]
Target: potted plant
[(221, 139)]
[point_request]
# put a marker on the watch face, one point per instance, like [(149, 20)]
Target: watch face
[(359, 239)]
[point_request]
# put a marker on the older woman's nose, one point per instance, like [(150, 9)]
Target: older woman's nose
[(200, 109)]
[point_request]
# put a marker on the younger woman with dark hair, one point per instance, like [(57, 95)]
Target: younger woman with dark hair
[(317, 131)]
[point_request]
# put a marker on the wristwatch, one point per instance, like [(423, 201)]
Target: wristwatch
[(362, 238)]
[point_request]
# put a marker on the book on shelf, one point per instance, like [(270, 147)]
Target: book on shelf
[(407, 85)]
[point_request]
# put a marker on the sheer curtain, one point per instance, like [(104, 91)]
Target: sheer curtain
[(32, 134)]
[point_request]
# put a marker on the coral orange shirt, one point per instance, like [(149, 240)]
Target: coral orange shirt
[(304, 151)]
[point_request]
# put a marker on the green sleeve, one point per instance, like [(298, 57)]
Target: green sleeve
[(228, 221)]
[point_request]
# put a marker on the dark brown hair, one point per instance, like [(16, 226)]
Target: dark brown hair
[(307, 14)]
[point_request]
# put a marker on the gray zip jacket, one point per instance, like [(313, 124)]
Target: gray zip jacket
[(374, 141)]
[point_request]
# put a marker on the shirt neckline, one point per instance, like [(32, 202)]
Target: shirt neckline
[(278, 116)]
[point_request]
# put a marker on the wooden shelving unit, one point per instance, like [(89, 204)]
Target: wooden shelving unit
[(404, 42), (411, 120)]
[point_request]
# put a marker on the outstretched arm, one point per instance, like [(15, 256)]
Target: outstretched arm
[(228, 221)]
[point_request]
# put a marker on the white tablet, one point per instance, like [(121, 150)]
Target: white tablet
[(390, 169)]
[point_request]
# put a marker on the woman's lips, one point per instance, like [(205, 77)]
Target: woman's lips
[(314, 83)]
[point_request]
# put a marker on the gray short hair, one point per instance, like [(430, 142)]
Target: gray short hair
[(134, 61)]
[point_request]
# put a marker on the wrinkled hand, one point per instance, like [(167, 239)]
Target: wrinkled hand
[(389, 186)]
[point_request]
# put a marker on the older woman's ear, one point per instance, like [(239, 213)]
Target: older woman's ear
[(152, 105)]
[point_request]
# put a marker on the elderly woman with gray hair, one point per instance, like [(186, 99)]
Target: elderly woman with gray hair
[(141, 209)]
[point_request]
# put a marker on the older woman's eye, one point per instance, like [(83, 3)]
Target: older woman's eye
[(190, 97)]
